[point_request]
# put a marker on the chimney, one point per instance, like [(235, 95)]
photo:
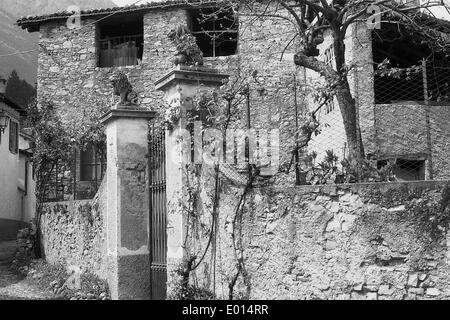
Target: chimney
[(2, 86)]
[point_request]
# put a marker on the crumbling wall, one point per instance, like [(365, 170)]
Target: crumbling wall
[(363, 241)]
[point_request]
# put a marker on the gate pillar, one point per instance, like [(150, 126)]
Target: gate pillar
[(179, 86), (127, 205)]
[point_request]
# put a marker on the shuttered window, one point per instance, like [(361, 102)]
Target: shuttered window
[(13, 137)]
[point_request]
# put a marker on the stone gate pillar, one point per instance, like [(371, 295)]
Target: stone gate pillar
[(127, 203), (179, 86)]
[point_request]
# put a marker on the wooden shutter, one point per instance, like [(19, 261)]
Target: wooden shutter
[(13, 136)]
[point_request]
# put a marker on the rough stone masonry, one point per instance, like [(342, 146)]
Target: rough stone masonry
[(364, 241)]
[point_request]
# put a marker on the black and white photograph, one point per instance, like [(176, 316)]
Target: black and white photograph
[(224, 154)]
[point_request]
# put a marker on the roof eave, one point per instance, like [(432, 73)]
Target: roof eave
[(13, 104), (32, 24)]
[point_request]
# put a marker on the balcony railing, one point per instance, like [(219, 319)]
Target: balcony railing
[(120, 51)]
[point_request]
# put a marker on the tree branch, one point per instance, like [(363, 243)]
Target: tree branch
[(294, 14), (316, 65)]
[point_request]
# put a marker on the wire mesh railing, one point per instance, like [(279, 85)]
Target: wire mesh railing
[(425, 83)]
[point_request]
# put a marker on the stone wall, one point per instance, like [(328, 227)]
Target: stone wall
[(69, 77), (362, 241), (74, 234)]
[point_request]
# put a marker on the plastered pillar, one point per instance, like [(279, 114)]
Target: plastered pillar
[(127, 203)]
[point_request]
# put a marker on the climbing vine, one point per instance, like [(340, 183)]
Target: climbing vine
[(213, 109), (54, 143)]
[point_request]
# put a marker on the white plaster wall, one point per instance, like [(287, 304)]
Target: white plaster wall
[(27, 202), (9, 163)]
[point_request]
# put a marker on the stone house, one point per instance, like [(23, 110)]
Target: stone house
[(17, 198), (75, 67), (135, 39)]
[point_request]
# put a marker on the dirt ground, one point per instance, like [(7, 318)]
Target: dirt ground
[(13, 286)]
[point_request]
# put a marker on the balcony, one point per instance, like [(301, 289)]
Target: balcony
[(120, 51)]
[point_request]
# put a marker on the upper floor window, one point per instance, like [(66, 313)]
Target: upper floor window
[(120, 41), (216, 31), (13, 136)]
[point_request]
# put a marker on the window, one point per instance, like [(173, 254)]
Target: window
[(409, 170), (216, 31), (92, 164), (13, 136), (406, 169), (120, 41)]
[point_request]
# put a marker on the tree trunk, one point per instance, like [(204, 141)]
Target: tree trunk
[(347, 106), (347, 103), (338, 79)]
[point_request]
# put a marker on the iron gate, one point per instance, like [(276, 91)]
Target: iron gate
[(158, 212)]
